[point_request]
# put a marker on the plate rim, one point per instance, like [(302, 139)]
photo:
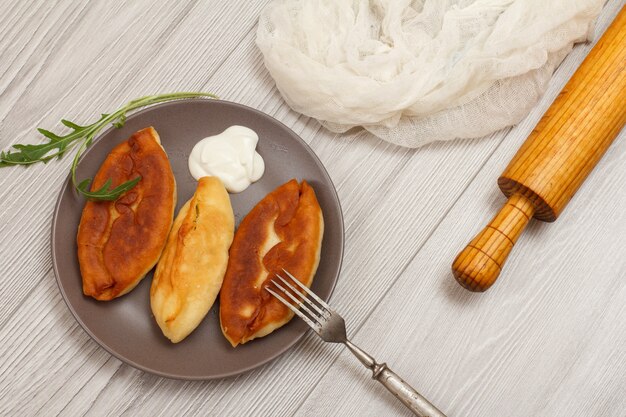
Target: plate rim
[(99, 342)]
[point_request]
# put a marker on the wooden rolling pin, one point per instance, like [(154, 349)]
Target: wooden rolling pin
[(556, 158)]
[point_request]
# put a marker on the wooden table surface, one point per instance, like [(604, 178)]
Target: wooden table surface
[(549, 339)]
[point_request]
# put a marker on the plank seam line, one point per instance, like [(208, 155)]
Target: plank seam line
[(10, 315), (24, 46), (109, 381), (80, 13), (97, 349), (435, 228), (406, 265), (221, 64)]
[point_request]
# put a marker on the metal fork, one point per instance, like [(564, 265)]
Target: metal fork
[(331, 327)]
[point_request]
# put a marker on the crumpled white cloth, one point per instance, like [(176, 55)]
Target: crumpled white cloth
[(412, 72)]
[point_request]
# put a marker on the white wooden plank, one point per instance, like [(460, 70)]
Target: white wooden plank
[(547, 339), (68, 84), (257, 393)]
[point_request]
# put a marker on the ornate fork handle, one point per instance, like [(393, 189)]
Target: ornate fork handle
[(331, 327), (419, 405)]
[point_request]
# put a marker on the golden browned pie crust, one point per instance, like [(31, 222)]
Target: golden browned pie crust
[(190, 272), (284, 230), (120, 241)]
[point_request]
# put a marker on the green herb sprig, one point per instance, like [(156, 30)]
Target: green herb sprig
[(82, 136)]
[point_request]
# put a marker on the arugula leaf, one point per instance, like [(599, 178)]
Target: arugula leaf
[(106, 192), (56, 146)]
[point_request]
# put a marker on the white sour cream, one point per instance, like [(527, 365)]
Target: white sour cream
[(231, 156)]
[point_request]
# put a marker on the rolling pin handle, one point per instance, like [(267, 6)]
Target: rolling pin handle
[(477, 267)]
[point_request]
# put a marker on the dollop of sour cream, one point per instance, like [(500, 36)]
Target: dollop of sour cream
[(231, 156)]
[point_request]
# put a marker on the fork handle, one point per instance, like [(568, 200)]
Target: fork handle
[(405, 393), (414, 401)]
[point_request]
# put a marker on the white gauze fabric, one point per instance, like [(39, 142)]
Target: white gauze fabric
[(412, 72)]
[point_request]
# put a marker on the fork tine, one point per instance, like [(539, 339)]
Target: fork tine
[(323, 312), (300, 314), (299, 303), (308, 291)]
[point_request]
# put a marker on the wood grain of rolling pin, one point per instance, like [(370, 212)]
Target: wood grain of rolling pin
[(556, 158)]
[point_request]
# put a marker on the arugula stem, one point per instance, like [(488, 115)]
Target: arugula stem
[(27, 154)]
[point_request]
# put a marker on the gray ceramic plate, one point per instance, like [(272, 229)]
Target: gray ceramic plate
[(125, 326)]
